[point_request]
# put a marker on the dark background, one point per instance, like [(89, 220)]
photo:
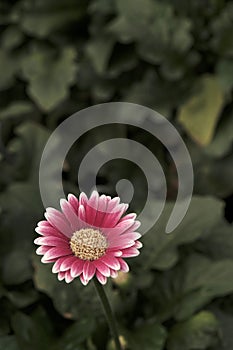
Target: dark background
[(58, 57)]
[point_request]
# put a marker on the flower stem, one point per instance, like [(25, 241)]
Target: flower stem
[(108, 313)]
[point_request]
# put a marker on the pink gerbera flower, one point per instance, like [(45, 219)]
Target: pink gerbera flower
[(90, 237)]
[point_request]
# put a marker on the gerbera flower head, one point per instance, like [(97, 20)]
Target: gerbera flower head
[(89, 237)]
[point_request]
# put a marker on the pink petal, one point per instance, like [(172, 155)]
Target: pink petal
[(138, 245), (130, 252), (82, 215), (57, 264), (112, 218), (49, 231), (67, 263), (126, 226), (77, 268), (102, 268), (113, 204), (44, 223), (84, 282), (102, 205), (42, 250), (120, 243), (68, 277), (88, 270), (124, 265), (134, 227), (131, 235), (111, 261), (74, 202), (51, 241), (131, 216), (113, 273), (57, 219), (102, 279), (83, 198), (116, 253), (47, 261), (56, 252), (91, 208), (61, 276), (70, 214)]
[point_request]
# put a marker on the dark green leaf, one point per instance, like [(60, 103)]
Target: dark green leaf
[(49, 77), (200, 332), (161, 249), (222, 141), (99, 51), (148, 336), (8, 342), (16, 109), (16, 268), (10, 68), (42, 18), (76, 334), (30, 333), (225, 73)]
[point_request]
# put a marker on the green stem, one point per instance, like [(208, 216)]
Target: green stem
[(108, 313)]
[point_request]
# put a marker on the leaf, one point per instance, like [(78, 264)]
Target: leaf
[(160, 249), (164, 40), (8, 342), (205, 279), (200, 332), (30, 333), (192, 284), (49, 77), (123, 59), (19, 224), (148, 336), (10, 68), (76, 335), (101, 7), (145, 24), (11, 38), (27, 148), (174, 67), (221, 31), (6, 311), (16, 109), (224, 72), (218, 243), (213, 176), (16, 268), (222, 140), (133, 19), (99, 51), (130, 13), (42, 18), (23, 194), (23, 298), (136, 10), (140, 93), (226, 320), (200, 114), (124, 32)]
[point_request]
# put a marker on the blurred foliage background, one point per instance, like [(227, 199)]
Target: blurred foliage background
[(175, 56)]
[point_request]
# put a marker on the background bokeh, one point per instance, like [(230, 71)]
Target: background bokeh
[(175, 56)]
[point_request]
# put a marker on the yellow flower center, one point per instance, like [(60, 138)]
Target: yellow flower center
[(88, 244)]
